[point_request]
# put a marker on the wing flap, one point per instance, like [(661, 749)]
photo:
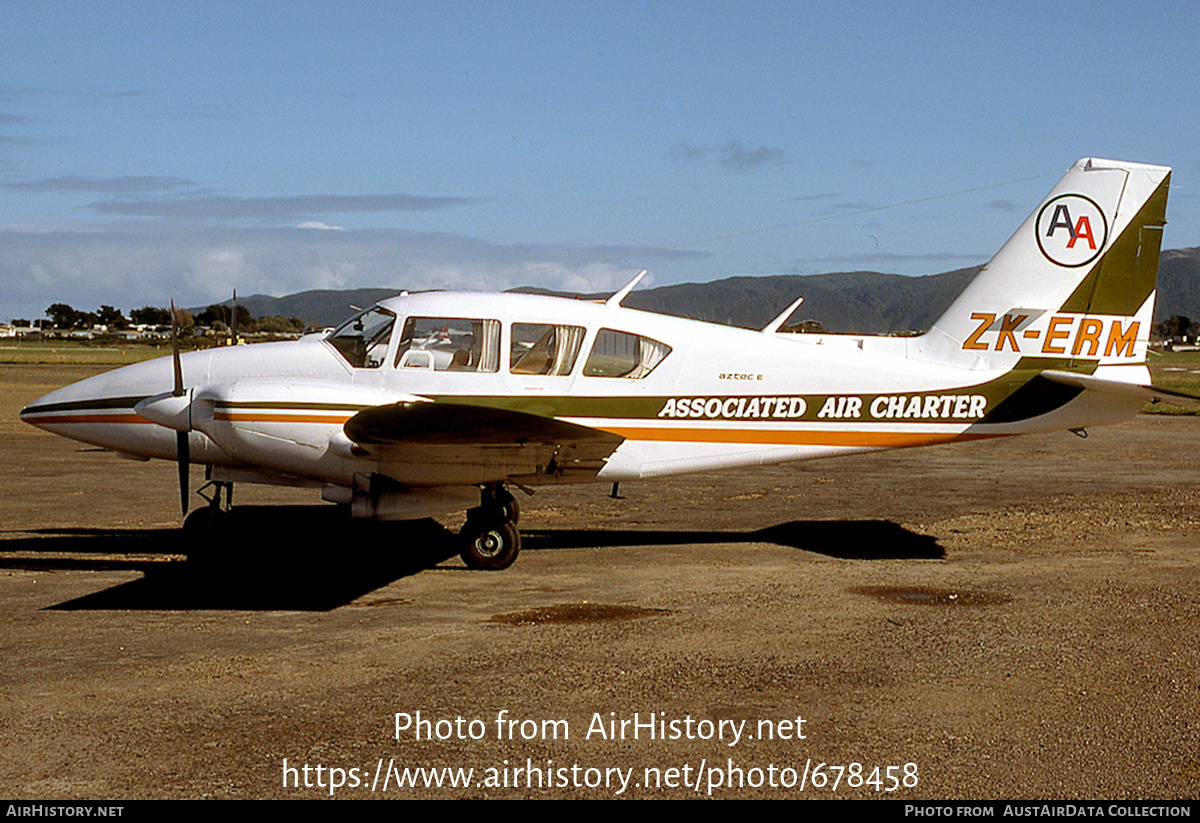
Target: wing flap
[(439, 442)]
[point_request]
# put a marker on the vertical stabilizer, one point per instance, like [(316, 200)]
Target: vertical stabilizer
[(1074, 287)]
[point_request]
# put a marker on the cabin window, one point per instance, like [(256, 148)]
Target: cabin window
[(363, 339), (459, 344), (620, 354), (544, 348)]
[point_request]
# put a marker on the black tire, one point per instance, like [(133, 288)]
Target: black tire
[(512, 510), (491, 546), (202, 522), (202, 534)]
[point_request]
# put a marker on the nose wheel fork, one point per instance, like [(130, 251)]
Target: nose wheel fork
[(490, 539), (206, 520), (214, 499)]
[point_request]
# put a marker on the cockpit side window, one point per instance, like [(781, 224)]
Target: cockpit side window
[(363, 339), (544, 348), (620, 354), (459, 344)]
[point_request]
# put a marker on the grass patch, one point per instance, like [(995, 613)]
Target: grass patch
[(1175, 370), (77, 355), (81, 352)]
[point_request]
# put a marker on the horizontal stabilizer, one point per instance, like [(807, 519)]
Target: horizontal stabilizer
[(1150, 393)]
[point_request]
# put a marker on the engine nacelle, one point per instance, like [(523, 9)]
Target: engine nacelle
[(292, 427)]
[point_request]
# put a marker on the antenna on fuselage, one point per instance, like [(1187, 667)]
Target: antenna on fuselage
[(233, 341), (616, 299), (774, 325)]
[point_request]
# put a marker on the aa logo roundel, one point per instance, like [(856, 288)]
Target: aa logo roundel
[(1071, 230)]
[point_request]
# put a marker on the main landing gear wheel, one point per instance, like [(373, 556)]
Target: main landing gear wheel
[(512, 510), (490, 539), (490, 546)]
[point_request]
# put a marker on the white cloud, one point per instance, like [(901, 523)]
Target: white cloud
[(144, 264), (227, 207)]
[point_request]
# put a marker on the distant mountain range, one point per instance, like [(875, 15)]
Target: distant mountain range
[(860, 302)]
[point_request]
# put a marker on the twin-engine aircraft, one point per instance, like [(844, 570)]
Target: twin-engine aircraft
[(435, 402)]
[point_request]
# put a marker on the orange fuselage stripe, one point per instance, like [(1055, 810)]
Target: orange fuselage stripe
[(806, 437), (85, 418), (235, 417)]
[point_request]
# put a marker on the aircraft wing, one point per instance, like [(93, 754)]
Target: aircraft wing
[(446, 442), (1149, 393)]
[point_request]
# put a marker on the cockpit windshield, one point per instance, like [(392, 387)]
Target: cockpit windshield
[(363, 339)]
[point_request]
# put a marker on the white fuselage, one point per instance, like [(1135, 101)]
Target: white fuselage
[(720, 397)]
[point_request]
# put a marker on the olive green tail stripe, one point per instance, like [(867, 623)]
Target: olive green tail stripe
[(1127, 273)]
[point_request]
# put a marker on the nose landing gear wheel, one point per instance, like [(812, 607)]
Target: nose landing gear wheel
[(203, 523)]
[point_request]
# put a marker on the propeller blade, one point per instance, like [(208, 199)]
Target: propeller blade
[(178, 390), (233, 341), (182, 451), (183, 456)]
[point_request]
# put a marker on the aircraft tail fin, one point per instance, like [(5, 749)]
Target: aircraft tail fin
[(1074, 287)]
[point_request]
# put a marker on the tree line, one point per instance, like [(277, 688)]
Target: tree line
[(1176, 327), (64, 317)]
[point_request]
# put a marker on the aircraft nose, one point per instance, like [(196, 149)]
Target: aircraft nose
[(43, 411), (31, 413), (105, 398), (73, 405)]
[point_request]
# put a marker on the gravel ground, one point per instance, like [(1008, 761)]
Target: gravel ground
[(1017, 618)]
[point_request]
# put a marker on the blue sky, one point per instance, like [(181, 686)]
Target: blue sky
[(151, 151)]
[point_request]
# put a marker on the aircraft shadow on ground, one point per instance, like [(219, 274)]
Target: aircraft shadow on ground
[(843, 539), (312, 558), (301, 558)]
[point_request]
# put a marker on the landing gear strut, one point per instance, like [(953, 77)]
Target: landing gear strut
[(206, 520), (490, 539)]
